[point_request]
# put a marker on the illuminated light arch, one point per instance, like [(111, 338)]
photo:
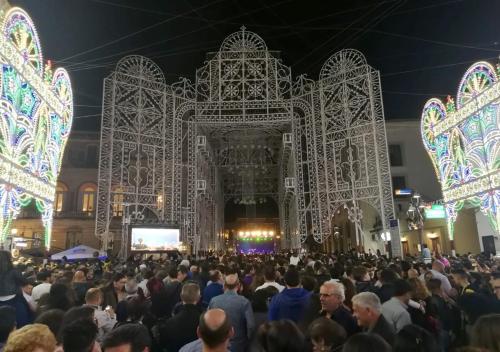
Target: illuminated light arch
[(462, 141), (314, 145), (36, 112)]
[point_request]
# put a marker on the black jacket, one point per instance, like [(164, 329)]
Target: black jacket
[(180, 329), (384, 329), (385, 292), (10, 283)]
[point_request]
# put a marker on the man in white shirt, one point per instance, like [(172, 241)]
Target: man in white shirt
[(270, 277), (294, 259), (45, 279), (395, 309), (437, 273), (27, 289), (426, 254)]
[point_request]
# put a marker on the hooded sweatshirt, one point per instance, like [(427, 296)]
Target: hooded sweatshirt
[(291, 304)]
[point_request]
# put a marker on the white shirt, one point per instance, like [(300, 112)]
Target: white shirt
[(40, 290), (294, 260), (445, 283), (30, 300), (144, 288), (394, 311), (104, 322), (273, 284)]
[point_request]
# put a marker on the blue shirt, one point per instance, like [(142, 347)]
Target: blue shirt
[(291, 304), (239, 311), (212, 290)]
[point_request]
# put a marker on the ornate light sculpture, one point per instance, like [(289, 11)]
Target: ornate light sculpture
[(463, 142), (36, 112)]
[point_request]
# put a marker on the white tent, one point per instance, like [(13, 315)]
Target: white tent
[(78, 252)]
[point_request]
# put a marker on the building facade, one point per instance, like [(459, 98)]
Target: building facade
[(74, 220)]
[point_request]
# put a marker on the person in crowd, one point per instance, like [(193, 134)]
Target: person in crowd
[(386, 290), (413, 338), (27, 290), (495, 284), (350, 291), (60, 296), (441, 309), (249, 275), (270, 279), (395, 310), (213, 288), (362, 279), (114, 292), (239, 310), (80, 286), (171, 295), (280, 336), (11, 295), (181, 328), (7, 323), (486, 333), (260, 301), (363, 342), (53, 319), (368, 312), (31, 338), (106, 319), (461, 279), (426, 254), (437, 272), (44, 279), (214, 331), (146, 276), (308, 283), (127, 338), (294, 259), (80, 335), (292, 302), (326, 335), (442, 259), (331, 296), (135, 312)]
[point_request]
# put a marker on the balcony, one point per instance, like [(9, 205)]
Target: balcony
[(32, 214)]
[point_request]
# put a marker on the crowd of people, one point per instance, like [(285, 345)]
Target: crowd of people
[(264, 303)]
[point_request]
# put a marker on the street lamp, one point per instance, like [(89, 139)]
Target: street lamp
[(416, 217)]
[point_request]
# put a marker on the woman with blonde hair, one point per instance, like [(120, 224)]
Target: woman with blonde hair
[(419, 290), (31, 338)]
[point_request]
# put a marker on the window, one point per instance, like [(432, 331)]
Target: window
[(118, 202), (88, 195), (398, 182), (395, 155), (61, 191)]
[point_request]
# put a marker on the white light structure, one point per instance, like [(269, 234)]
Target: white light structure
[(463, 142), (252, 134), (36, 112)]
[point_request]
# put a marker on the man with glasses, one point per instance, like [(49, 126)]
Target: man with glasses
[(331, 297)]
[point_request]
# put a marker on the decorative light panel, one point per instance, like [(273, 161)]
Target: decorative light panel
[(463, 142), (36, 112)]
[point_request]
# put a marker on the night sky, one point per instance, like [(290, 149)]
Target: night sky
[(421, 47)]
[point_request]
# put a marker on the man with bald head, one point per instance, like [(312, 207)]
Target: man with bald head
[(437, 273), (214, 331), (238, 310)]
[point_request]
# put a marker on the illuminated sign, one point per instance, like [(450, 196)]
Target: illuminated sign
[(403, 192), (436, 211)]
